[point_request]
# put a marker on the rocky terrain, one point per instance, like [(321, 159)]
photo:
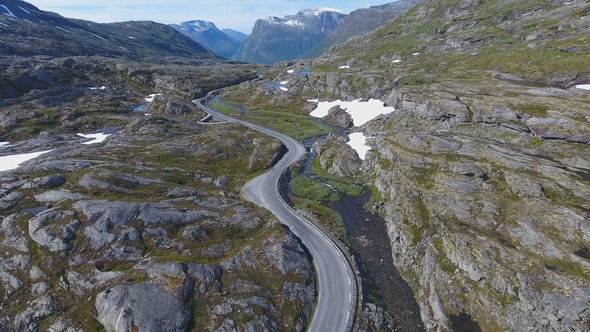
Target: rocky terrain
[(144, 231), (482, 172)]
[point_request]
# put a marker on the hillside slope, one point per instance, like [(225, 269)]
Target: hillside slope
[(482, 173), (359, 22), (27, 31), (125, 213)]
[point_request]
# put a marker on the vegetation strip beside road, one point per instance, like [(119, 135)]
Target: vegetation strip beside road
[(327, 314)]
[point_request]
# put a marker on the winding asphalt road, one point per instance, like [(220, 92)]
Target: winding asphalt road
[(337, 295)]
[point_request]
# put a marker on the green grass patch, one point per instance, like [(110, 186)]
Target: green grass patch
[(313, 189), (538, 110), (347, 188), (536, 142), (297, 126), (445, 263), (324, 215), (415, 80), (376, 197), (340, 183)]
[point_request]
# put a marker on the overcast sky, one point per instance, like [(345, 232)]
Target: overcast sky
[(234, 14)]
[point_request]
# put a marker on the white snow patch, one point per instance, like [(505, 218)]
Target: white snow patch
[(290, 71), (284, 82), (98, 138), (4, 144), (416, 53), (343, 67), (396, 61), (131, 37), (8, 12), (583, 86), (358, 142), (294, 23), (95, 35), (11, 162), (283, 88), (201, 25), (62, 29), (6, 25), (361, 112), (98, 88), (151, 97), (24, 10)]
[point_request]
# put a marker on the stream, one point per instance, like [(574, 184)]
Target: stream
[(371, 247)]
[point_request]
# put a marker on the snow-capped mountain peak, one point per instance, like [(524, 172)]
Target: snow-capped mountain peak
[(299, 20), (199, 25)]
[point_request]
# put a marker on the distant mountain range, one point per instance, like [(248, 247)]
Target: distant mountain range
[(311, 32), (236, 34), (207, 34), (25, 30), (276, 39)]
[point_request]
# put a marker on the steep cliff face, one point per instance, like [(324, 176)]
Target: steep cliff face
[(277, 39), (359, 22), (490, 220), (208, 35), (484, 166)]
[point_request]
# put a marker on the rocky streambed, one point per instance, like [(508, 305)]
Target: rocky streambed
[(371, 248)]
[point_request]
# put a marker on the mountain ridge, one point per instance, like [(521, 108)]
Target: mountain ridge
[(208, 35), (358, 22), (276, 39), (30, 31)]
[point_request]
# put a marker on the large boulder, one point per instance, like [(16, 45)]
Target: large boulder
[(54, 229), (339, 117), (141, 307)]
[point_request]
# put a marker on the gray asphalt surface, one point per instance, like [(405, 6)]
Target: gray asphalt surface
[(336, 292)]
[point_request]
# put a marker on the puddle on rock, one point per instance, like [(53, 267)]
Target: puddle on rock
[(464, 323), (583, 252)]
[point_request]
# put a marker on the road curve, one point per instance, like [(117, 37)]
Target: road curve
[(336, 303)]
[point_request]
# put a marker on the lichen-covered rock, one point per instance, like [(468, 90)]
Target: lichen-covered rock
[(83, 283), (39, 309), (49, 182), (57, 196), (524, 186), (195, 233), (337, 157), (146, 307), (54, 229), (339, 117)]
